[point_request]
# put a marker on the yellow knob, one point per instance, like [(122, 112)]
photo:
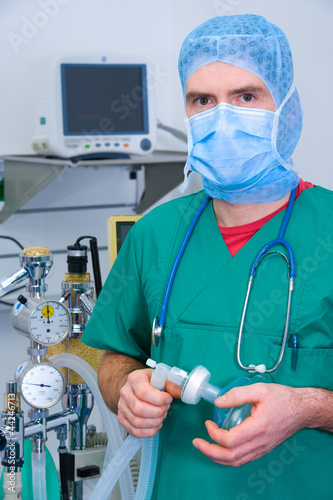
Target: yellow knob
[(36, 252)]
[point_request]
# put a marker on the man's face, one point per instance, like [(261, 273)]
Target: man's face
[(220, 82)]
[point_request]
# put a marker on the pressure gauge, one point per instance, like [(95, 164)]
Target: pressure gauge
[(49, 323), (42, 385), (46, 321)]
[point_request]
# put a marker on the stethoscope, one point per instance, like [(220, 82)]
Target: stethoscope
[(159, 323)]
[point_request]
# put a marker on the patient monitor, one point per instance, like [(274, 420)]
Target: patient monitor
[(97, 106)]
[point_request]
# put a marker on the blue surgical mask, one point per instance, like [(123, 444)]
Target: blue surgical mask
[(234, 150)]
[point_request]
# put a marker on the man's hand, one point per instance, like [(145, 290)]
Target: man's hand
[(141, 408), (277, 413), (125, 386)]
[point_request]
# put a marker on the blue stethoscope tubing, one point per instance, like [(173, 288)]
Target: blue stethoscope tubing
[(292, 273), (178, 259), (159, 323), (280, 240)]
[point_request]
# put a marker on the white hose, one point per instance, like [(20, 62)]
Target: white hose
[(147, 468), (112, 426), (38, 463), (107, 482), (97, 439), (123, 456)]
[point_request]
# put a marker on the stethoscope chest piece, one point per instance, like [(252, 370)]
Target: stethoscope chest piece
[(156, 332)]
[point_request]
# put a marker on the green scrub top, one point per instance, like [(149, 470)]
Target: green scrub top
[(202, 324)]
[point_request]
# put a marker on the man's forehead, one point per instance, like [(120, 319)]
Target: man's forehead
[(223, 76)]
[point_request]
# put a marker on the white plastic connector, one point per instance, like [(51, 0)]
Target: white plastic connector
[(257, 368), (159, 375), (195, 385), (151, 363), (163, 372), (178, 376)]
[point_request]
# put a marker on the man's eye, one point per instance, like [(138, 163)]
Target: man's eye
[(203, 101), (247, 97)]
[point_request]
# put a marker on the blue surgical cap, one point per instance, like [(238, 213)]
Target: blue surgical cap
[(256, 45)]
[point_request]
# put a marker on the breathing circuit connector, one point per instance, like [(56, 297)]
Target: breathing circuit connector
[(163, 372), (195, 386)]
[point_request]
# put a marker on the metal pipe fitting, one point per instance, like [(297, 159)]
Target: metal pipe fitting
[(79, 398)]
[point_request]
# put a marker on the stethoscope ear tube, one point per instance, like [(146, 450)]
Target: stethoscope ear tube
[(291, 272), (263, 252), (158, 323), (262, 368)]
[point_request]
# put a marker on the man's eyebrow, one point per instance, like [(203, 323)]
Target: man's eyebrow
[(249, 88), (197, 93)]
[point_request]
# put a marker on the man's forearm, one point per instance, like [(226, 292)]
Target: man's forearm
[(112, 375), (317, 407)]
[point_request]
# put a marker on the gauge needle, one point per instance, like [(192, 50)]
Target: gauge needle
[(48, 313), (39, 385)]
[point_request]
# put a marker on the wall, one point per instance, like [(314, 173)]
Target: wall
[(34, 31)]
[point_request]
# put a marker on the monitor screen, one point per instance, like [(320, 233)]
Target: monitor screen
[(123, 228), (118, 229), (106, 99)]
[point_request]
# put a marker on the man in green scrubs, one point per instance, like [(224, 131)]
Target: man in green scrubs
[(244, 121)]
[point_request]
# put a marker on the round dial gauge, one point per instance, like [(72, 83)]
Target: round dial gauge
[(42, 385), (49, 322)]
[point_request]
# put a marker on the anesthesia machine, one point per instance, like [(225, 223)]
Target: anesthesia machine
[(54, 328)]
